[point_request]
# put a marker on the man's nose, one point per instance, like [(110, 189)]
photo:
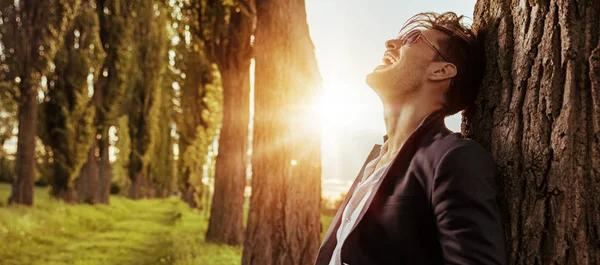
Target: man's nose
[(393, 44)]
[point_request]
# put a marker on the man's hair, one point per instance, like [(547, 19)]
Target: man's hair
[(462, 49)]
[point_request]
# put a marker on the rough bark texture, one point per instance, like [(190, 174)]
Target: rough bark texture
[(226, 219), (539, 115), (283, 224)]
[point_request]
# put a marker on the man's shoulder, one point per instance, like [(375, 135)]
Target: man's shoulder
[(450, 144), (456, 141)]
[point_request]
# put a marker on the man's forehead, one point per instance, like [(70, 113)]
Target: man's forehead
[(434, 34)]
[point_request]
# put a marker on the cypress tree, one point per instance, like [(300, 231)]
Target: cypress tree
[(31, 33), (110, 90), (144, 104), (66, 116)]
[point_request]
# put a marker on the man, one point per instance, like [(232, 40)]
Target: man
[(427, 196)]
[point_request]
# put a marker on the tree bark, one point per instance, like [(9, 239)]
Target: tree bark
[(104, 173), (284, 220), (89, 173), (226, 212), (539, 115), (22, 189)]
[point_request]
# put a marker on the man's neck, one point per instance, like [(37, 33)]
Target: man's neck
[(401, 120)]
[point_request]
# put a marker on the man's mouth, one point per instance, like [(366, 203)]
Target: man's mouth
[(389, 59)]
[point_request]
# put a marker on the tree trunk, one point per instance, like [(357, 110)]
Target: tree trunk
[(104, 173), (539, 115), (89, 173), (284, 220), (87, 188), (226, 212), (22, 189), (225, 224)]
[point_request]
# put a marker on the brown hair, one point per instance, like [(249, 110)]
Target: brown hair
[(462, 49)]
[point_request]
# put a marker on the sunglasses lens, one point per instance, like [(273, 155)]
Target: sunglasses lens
[(410, 37)]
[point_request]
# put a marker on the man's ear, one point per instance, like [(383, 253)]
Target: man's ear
[(442, 70)]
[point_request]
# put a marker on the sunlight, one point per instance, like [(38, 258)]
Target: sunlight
[(328, 110)]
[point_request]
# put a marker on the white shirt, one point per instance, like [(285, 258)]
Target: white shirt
[(355, 205)]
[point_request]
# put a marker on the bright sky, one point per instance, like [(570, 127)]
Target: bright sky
[(349, 38)]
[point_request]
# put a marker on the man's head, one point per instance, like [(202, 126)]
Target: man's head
[(435, 58)]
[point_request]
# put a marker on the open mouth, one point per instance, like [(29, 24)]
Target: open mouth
[(388, 59)]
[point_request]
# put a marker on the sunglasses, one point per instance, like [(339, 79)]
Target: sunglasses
[(412, 36)]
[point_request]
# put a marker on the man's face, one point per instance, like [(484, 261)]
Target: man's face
[(405, 66)]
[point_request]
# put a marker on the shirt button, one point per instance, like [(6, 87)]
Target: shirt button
[(347, 219)]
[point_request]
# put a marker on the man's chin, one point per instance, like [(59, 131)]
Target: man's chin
[(374, 79)]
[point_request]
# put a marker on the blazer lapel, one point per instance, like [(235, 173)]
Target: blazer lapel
[(402, 159)]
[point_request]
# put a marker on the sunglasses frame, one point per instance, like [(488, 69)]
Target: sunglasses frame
[(420, 34)]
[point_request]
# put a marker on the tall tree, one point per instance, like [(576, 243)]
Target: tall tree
[(232, 53), (161, 170), (199, 102), (539, 114), (283, 224), (66, 115), (31, 32), (144, 105), (116, 18), (200, 99)]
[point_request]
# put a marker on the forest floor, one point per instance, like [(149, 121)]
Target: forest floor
[(126, 232)]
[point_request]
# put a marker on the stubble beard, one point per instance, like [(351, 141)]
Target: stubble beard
[(392, 82)]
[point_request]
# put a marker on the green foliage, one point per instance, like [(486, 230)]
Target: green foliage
[(123, 149), (8, 125), (6, 170), (144, 105), (162, 169), (198, 100), (116, 34), (196, 145), (66, 117), (194, 157), (127, 232), (41, 27), (8, 118)]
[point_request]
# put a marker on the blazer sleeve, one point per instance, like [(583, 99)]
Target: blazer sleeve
[(465, 206)]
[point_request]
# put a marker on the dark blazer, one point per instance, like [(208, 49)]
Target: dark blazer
[(436, 204)]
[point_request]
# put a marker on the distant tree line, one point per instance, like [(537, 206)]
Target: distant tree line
[(149, 99)]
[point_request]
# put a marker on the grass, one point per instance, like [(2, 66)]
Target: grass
[(157, 231)]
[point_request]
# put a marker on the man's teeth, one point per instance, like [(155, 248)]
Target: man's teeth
[(390, 59)]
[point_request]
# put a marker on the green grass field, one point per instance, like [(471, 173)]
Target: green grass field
[(128, 232)]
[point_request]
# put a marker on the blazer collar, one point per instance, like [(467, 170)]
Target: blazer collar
[(428, 119), (330, 241)]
